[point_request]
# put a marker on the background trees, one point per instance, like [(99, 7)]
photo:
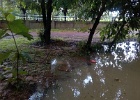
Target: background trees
[(91, 10), (127, 18), (65, 5), (47, 8)]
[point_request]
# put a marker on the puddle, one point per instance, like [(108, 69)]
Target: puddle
[(114, 76)]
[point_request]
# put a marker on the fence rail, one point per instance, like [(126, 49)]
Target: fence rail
[(39, 17)]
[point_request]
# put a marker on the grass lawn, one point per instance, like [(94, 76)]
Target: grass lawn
[(8, 44)]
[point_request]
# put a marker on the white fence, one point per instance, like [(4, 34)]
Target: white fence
[(39, 17)]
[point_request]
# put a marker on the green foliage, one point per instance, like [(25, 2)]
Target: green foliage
[(108, 32), (4, 56), (8, 44), (15, 27), (14, 73), (10, 18), (19, 28), (2, 33), (64, 4), (87, 9), (41, 36), (127, 20), (22, 57), (119, 30), (82, 49), (25, 56)]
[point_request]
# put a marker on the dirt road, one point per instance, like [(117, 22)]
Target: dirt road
[(70, 35)]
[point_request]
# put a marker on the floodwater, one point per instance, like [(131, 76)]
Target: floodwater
[(114, 76)]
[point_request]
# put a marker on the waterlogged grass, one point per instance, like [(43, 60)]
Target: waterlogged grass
[(8, 44)]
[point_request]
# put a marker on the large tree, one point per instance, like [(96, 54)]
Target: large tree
[(47, 7), (128, 19), (94, 9), (44, 8), (47, 21)]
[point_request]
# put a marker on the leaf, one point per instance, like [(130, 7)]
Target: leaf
[(15, 56), (92, 61), (22, 72), (5, 14), (26, 56), (6, 34), (19, 28), (4, 56), (27, 35), (10, 17), (23, 4), (22, 58), (2, 32), (7, 68), (1, 77), (1, 9), (14, 72)]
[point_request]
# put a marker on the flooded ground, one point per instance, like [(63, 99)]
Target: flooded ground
[(114, 76)]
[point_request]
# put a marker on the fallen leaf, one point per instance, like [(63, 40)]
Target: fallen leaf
[(92, 61), (116, 79)]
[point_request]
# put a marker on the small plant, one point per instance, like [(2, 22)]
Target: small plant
[(40, 34), (83, 50), (14, 27)]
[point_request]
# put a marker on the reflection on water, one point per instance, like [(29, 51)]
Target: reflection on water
[(129, 50), (76, 92), (87, 80), (118, 94), (54, 62), (124, 52), (53, 65), (36, 96), (114, 76)]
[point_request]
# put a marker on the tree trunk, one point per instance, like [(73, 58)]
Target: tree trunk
[(24, 14), (65, 14), (43, 8), (47, 20), (47, 34), (23, 11), (92, 30)]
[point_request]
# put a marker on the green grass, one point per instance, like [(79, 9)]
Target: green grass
[(8, 44), (35, 30)]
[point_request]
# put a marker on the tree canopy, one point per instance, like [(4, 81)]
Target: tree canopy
[(128, 17)]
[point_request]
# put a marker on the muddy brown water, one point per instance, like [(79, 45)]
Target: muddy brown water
[(114, 76)]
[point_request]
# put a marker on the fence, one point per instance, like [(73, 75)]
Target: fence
[(39, 17), (32, 24), (65, 25)]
